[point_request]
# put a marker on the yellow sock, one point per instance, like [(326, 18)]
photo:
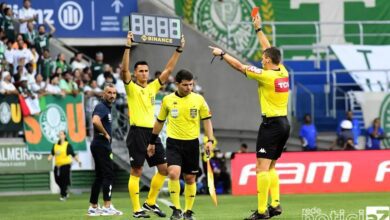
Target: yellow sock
[(263, 183), (174, 191), (274, 187), (155, 186), (189, 194), (134, 192)]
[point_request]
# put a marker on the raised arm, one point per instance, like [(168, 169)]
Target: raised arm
[(51, 27), (172, 62), (125, 73), (259, 33), (233, 62)]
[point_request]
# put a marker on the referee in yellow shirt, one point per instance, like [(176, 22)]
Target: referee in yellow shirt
[(183, 109), (140, 99), (273, 90)]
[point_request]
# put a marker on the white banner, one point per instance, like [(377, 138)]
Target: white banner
[(358, 58), (371, 104)]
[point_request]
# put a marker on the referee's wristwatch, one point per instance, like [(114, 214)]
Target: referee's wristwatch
[(212, 141)]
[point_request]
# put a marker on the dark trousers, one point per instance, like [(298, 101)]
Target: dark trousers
[(104, 170), (62, 178)]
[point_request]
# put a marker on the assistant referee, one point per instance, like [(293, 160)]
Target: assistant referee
[(273, 91), (141, 101), (184, 110)]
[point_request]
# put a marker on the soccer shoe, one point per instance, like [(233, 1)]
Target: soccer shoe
[(153, 208), (188, 215), (110, 211), (274, 211), (141, 214), (63, 199), (94, 211), (256, 215), (177, 214)]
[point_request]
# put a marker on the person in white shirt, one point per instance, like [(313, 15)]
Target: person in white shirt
[(30, 75), (6, 87), (53, 87), (26, 14), (77, 62), (21, 56), (39, 86), (8, 53)]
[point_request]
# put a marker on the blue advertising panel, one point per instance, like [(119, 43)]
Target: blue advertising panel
[(83, 18)]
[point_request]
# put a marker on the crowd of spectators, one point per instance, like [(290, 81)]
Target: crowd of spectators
[(27, 66)]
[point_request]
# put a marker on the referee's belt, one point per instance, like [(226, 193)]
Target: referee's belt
[(138, 127), (267, 119)]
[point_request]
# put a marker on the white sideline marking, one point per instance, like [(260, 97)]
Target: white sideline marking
[(165, 202)]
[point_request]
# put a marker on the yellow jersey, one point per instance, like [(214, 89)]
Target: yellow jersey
[(141, 102), (184, 115), (62, 153), (273, 89)]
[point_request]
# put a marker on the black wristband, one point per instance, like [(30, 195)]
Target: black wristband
[(179, 50), (127, 47), (221, 55), (212, 141), (258, 29), (153, 138)]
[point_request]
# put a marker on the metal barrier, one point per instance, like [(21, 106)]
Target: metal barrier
[(312, 99), (336, 86), (361, 35)]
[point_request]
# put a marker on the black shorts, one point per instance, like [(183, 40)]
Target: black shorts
[(184, 153), (137, 143), (272, 137)]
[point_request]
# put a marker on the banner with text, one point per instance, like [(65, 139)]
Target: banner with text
[(83, 19), (57, 114), (318, 172), (10, 114), (16, 159), (368, 65)]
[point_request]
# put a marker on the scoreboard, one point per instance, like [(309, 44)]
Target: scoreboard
[(153, 29)]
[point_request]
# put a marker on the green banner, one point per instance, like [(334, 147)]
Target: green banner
[(16, 159), (57, 114), (220, 20), (10, 114)]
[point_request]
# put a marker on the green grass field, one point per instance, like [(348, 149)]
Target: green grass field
[(40, 207)]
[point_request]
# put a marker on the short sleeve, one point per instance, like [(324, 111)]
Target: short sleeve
[(63, 84), (155, 85), (162, 116), (129, 87), (204, 110), (99, 111), (70, 151), (253, 72)]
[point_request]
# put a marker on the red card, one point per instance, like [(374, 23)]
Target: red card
[(255, 10)]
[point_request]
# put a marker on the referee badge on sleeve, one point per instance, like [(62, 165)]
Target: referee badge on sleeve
[(175, 113), (193, 112)]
